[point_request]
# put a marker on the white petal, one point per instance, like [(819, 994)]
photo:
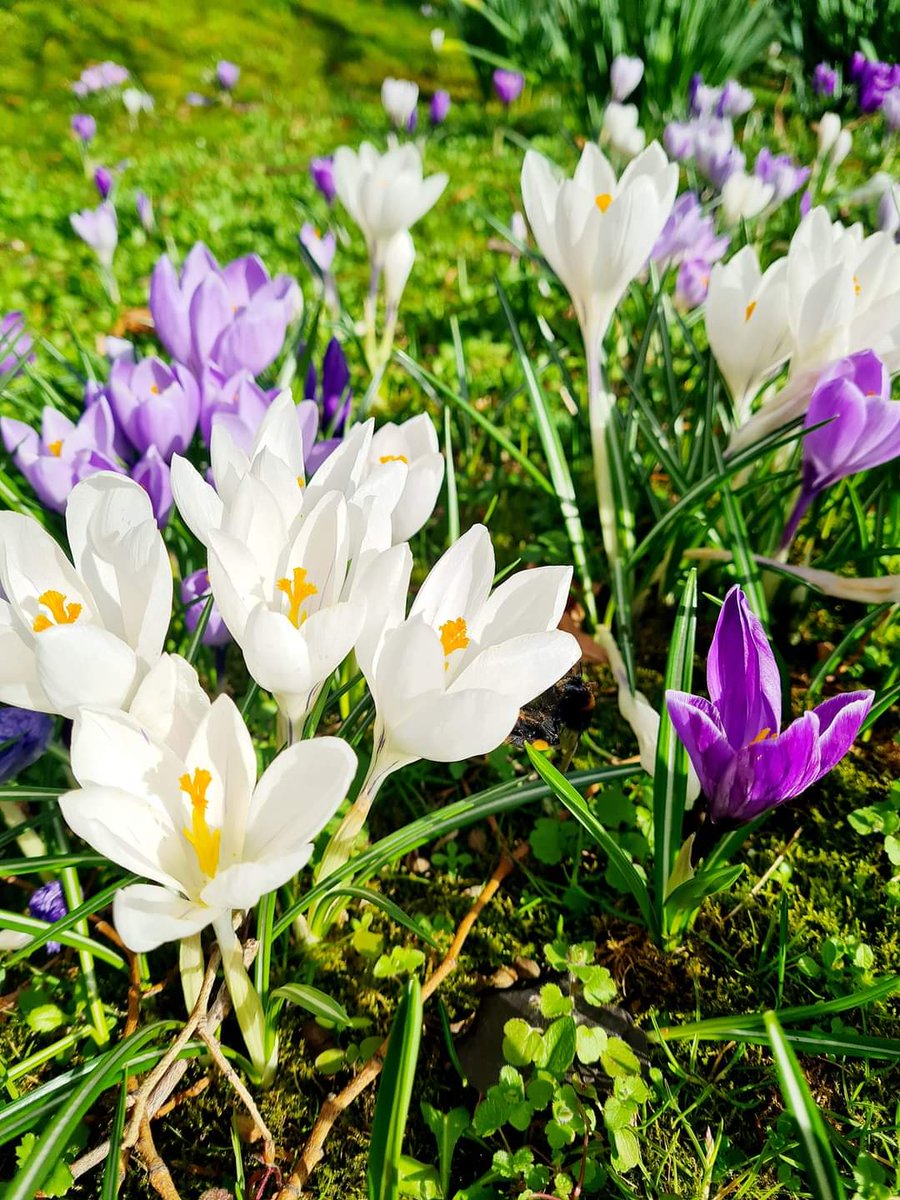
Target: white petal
[(146, 917), (200, 507), (83, 665)]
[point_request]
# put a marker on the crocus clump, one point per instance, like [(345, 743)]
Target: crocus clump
[(24, 736), (858, 427), (508, 85), (745, 762), (235, 316)]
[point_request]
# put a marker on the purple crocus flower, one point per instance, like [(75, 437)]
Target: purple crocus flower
[(805, 203), (335, 396), (156, 405), (103, 182), (99, 77), (322, 172), (64, 453), (235, 316), (48, 903), (15, 344), (714, 150), (144, 206), (195, 592), (508, 85), (198, 100), (152, 473), (99, 228), (24, 736), (857, 62), (237, 401), (824, 80), (227, 74), (780, 170), (84, 127), (734, 100), (692, 282), (745, 762), (874, 81), (319, 247), (863, 427), (888, 212), (439, 107), (689, 234), (678, 139)]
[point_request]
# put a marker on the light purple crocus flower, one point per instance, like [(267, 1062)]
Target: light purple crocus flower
[(439, 107), (625, 73), (84, 127), (689, 234), (15, 344), (863, 427), (99, 77), (745, 762), (99, 228), (157, 405), (824, 80), (198, 100), (64, 453), (152, 473), (692, 282), (103, 182), (48, 903), (888, 213), (780, 170), (235, 316), (508, 85), (237, 401), (322, 172), (227, 74), (195, 593), (678, 139), (144, 206), (734, 100), (319, 247)]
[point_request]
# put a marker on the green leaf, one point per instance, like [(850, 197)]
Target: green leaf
[(418, 1179), (447, 1128), (557, 1047), (44, 1018), (690, 895), (394, 1095), (823, 1178), (521, 1042), (60, 1179), (319, 1003), (619, 1059), (590, 1043), (627, 1152), (597, 985), (553, 1002), (330, 1061)]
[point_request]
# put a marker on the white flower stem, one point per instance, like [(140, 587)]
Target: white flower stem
[(370, 310), (600, 406), (192, 967), (247, 1006)]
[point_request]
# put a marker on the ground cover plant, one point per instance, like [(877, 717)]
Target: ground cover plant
[(449, 553)]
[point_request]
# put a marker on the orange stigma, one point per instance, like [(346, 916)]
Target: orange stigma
[(749, 310), (205, 841), (60, 612), (297, 592), (453, 637), (386, 458), (603, 201), (55, 448)]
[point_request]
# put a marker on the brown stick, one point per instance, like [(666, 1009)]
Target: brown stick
[(334, 1106), (157, 1172), (238, 1084)]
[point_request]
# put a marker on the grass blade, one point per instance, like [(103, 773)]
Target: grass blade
[(394, 1095)]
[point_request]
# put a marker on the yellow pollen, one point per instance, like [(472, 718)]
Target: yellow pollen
[(154, 389), (540, 745), (204, 840), (453, 637), (386, 458), (761, 736), (55, 448), (301, 482), (749, 310), (603, 201), (61, 613), (297, 591), (857, 287)]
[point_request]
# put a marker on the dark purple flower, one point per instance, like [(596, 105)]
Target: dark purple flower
[(48, 903), (195, 592), (24, 736), (64, 453), (156, 405), (863, 427), (439, 107), (780, 170), (745, 762), (84, 127), (508, 85), (824, 80), (103, 182), (152, 473), (227, 74), (689, 234), (874, 81), (144, 206), (235, 316), (15, 344), (322, 172), (334, 396), (857, 62)]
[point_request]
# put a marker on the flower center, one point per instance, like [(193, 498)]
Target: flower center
[(603, 201), (386, 458), (60, 612), (453, 637), (297, 591), (749, 310), (761, 736), (55, 448), (204, 840), (857, 286), (154, 389)]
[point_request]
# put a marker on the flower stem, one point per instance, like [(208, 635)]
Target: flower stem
[(192, 967), (247, 1006), (29, 841)]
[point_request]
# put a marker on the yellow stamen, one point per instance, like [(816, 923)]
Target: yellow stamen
[(386, 458), (453, 637), (761, 736), (62, 613), (297, 591), (540, 745), (301, 482), (204, 840), (749, 310), (55, 448), (857, 287), (603, 201), (154, 389)]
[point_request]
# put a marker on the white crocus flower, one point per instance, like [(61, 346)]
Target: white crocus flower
[(415, 443), (88, 633), (198, 825), (399, 97), (276, 459), (747, 323), (170, 703), (625, 73), (829, 131), (384, 193), (620, 125), (279, 589), (399, 258), (597, 233), (744, 197), (448, 680)]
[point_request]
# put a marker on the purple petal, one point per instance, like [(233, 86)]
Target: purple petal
[(775, 769), (839, 719), (741, 674), (698, 726)]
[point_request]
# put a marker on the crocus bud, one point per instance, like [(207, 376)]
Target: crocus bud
[(24, 736), (890, 107), (508, 85), (103, 182), (692, 282), (398, 262), (439, 107), (625, 74), (99, 228), (399, 97), (437, 40), (322, 172), (620, 124), (889, 210), (84, 127), (842, 147), (144, 206), (320, 248), (48, 902), (744, 196), (829, 131), (678, 139), (227, 74)]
